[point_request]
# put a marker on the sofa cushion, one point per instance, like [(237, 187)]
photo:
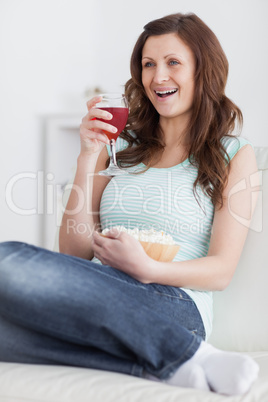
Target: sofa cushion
[(240, 311), (33, 383)]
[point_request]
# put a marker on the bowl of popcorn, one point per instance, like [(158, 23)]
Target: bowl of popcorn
[(157, 244)]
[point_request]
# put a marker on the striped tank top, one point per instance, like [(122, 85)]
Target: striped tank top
[(163, 199)]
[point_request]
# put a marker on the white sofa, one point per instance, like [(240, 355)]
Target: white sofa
[(241, 324)]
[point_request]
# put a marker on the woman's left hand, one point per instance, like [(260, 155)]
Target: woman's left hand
[(123, 252)]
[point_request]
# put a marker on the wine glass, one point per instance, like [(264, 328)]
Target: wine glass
[(117, 105)]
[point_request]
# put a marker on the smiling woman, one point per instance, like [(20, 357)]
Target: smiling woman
[(168, 78), (125, 311), (193, 52)]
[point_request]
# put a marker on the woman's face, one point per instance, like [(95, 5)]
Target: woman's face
[(168, 70)]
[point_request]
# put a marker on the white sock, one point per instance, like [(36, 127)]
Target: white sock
[(226, 373), (187, 376)]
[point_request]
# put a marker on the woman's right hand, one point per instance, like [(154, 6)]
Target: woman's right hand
[(91, 130)]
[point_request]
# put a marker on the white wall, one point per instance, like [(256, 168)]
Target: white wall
[(51, 51)]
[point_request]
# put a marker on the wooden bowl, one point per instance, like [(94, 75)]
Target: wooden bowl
[(160, 252)]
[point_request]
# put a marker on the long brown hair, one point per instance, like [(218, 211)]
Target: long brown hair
[(213, 114)]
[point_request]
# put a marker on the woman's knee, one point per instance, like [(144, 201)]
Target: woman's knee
[(9, 248), (15, 270)]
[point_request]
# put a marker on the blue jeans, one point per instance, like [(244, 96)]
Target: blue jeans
[(59, 309)]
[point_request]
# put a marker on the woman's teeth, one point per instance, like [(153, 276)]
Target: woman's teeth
[(164, 94)]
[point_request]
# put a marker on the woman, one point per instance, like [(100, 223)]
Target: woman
[(133, 314)]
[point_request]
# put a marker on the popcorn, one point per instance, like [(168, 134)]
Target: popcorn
[(150, 235)]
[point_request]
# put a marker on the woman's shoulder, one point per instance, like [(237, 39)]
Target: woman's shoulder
[(232, 144)]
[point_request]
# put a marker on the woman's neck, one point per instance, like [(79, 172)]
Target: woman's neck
[(176, 144), (174, 132)]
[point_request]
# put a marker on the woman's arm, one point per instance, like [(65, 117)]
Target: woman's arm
[(81, 216), (215, 271)]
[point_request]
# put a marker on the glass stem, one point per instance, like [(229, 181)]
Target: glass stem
[(113, 154)]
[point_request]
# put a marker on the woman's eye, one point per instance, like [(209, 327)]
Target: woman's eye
[(173, 62), (148, 64)]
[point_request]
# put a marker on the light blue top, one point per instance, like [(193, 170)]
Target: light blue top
[(162, 198)]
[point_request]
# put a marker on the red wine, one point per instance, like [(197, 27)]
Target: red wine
[(119, 120)]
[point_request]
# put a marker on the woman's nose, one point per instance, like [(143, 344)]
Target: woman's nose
[(161, 74)]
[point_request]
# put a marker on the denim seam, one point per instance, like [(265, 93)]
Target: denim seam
[(137, 370), (173, 297), (170, 368)]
